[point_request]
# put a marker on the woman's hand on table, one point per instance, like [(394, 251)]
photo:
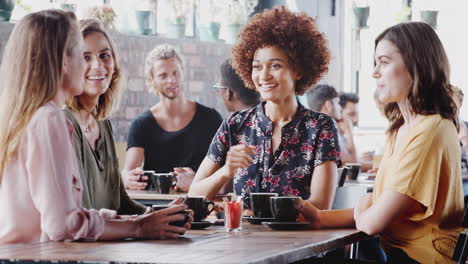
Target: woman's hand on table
[(363, 204), (238, 157), (131, 179), (247, 212), (309, 213), (156, 225), (185, 177)]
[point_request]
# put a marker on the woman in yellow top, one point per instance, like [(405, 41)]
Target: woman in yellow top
[(417, 203)]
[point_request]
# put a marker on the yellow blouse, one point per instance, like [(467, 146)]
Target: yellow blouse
[(425, 166)]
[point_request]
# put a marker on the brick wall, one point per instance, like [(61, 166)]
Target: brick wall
[(202, 60)]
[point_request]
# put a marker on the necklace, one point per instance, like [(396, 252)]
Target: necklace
[(89, 122), (88, 128)]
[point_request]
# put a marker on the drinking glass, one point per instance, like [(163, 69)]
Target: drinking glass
[(233, 215)]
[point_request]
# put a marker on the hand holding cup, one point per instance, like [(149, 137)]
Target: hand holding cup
[(156, 225), (135, 179)]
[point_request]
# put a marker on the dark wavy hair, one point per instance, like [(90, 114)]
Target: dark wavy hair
[(233, 82), (428, 66), (318, 96), (348, 97), (295, 34)]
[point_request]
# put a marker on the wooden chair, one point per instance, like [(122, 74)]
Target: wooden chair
[(461, 249), (345, 197)]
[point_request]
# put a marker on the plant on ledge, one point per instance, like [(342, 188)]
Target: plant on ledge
[(179, 10), (235, 14), (103, 13)]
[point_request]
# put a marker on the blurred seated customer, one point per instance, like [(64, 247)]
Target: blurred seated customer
[(235, 96), (324, 99), (92, 135), (349, 107), (232, 90), (278, 146), (370, 160), (349, 103), (417, 203), (40, 187), (463, 133), (173, 135)]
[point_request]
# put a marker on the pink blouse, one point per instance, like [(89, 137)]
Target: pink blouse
[(40, 195)]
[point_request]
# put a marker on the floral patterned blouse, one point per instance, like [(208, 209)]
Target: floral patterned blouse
[(307, 141)]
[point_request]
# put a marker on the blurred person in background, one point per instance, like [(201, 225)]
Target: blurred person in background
[(231, 88), (350, 108), (324, 99), (173, 135), (463, 133)]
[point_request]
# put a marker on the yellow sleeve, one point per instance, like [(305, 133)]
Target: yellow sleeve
[(420, 165)]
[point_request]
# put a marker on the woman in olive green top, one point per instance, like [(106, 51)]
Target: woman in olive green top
[(88, 112)]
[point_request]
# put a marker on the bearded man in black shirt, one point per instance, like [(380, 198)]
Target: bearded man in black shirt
[(173, 135)]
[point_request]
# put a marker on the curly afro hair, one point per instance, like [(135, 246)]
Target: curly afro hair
[(294, 33)]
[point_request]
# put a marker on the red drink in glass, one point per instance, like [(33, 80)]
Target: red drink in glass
[(233, 215)]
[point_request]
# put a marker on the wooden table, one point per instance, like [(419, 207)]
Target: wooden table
[(254, 244), (149, 198)]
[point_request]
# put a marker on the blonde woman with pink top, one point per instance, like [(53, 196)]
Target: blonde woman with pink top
[(40, 186)]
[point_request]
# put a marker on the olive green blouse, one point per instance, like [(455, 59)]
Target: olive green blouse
[(99, 171)]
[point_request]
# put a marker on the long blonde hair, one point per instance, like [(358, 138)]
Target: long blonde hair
[(31, 72), (109, 100)]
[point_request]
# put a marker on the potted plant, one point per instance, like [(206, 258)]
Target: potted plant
[(66, 5), (235, 13), (429, 17), (103, 13), (143, 14), (208, 19), (404, 15), (6, 7), (361, 12), (174, 15)]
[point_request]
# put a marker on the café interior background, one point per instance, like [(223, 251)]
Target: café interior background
[(352, 48)]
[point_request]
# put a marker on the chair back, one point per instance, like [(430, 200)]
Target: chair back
[(348, 196), (342, 172), (460, 253)]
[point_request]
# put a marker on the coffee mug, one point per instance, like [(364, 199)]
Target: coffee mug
[(163, 182), (149, 181), (353, 170), (285, 208), (181, 223), (260, 204), (200, 207)]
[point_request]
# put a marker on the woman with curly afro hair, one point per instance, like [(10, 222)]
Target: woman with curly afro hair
[(278, 146)]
